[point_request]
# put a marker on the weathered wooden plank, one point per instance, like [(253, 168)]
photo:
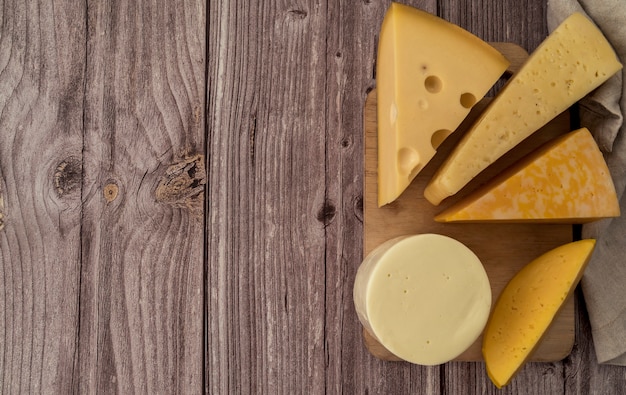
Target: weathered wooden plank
[(519, 22), (142, 249), (266, 120), (350, 74), (42, 55)]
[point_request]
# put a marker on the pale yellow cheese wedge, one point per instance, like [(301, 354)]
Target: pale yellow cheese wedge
[(425, 298), (565, 181), (575, 59), (528, 305), (429, 75)]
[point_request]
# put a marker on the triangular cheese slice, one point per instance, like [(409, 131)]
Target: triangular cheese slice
[(429, 75), (527, 306), (567, 180), (575, 59)]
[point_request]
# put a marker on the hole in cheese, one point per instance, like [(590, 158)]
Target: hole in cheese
[(468, 100), (414, 171), (408, 160), (433, 84), (438, 137)]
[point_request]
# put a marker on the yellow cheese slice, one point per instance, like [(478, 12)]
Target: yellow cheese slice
[(425, 298), (429, 75), (528, 304), (575, 59), (566, 181)]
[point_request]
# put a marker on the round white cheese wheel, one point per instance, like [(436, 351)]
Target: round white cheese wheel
[(425, 298)]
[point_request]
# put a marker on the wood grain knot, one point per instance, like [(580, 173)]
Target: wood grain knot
[(68, 176), (298, 14), (327, 213), (358, 207), (110, 191), (182, 185)]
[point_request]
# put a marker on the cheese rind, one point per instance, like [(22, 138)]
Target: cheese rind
[(429, 75), (425, 298), (565, 181), (527, 306), (575, 59)]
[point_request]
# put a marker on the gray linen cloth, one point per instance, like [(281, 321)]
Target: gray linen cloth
[(604, 281)]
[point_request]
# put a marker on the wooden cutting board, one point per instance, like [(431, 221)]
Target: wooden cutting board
[(502, 248)]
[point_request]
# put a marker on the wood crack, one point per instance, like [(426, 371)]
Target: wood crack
[(1, 210), (252, 139)]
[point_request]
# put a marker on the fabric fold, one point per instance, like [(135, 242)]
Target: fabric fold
[(604, 281)]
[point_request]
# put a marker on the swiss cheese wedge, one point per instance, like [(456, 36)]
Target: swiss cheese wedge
[(566, 181), (528, 305), (574, 59), (429, 75)]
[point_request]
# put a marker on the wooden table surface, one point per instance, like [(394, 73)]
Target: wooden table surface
[(181, 199)]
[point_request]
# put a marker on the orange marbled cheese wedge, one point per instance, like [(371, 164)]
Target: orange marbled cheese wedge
[(565, 181)]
